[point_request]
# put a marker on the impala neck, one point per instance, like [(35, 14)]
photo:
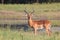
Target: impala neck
[(30, 21)]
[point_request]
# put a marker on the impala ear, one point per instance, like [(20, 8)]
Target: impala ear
[(25, 14), (32, 14)]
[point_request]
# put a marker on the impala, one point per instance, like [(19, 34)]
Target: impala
[(38, 24)]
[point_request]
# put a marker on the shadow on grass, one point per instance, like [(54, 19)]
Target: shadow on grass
[(15, 26), (25, 27)]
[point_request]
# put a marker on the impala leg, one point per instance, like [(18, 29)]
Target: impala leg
[(48, 32), (35, 31)]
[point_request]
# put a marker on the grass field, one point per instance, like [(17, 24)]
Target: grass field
[(7, 34), (37, 7)]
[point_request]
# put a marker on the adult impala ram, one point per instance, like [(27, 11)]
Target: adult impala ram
[(38, 24)]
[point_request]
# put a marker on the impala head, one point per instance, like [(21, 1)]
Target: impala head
[(29, 15)]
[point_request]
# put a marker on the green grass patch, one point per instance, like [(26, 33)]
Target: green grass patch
[(8, 34), (37, 7), (55, 22)]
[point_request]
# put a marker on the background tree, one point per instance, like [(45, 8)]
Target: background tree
[(2, 1), (49, 1), (37, 1)]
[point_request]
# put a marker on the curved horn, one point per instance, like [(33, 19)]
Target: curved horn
[(25, 11), (33, 10)]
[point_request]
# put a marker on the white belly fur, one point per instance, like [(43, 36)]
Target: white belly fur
[(40, 27)]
